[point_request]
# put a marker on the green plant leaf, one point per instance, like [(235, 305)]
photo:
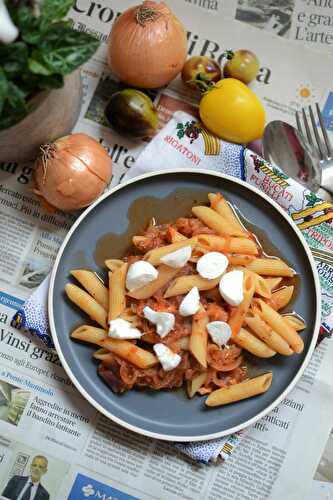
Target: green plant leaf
[(14, 58), (32, 37), (55, 10), (28, 24), (62, 50), (24, 18), (15, 107), (3, 89), (31, 82), (37, 65), (16, 97), (48, 49), (10, 117)]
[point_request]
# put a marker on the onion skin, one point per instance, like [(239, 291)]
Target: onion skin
[(131, 112), (72, 172), (147, 55)]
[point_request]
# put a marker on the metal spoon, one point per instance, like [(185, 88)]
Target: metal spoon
[(284, 146)]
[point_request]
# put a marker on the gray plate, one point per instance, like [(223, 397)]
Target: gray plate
[(170, 415)]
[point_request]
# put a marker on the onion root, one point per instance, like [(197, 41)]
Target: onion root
[(145, 15), (47, 153)]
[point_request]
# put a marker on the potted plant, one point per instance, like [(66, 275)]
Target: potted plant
[(40, 84)]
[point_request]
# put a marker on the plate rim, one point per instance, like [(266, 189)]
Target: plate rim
[(167, 437)]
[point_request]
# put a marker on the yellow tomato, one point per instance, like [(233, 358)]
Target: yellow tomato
[(233, 112)]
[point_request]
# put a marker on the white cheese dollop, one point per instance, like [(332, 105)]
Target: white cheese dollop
[(190, 303), (231, 287), (168, 359), (122, 329), (212, 265), (139, 274), (219, 331), (178, 258), (164, 321)]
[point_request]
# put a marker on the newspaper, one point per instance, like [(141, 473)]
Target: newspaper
[(322, 485), (308, 22), (43, 419)]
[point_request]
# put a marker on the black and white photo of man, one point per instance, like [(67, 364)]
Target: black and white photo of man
[(271, 15), (29, 487)]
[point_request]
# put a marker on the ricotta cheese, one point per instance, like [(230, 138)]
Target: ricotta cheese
[(231, 287), (190, 303), (178, 258), (212, 265), (168, 359), (139, 274), (122, 329), (219, 331), (164, 321)]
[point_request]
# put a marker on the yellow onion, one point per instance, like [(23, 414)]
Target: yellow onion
[(147, 46), (72, 172)]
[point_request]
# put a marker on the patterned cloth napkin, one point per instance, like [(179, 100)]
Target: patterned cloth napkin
[(185, 143)]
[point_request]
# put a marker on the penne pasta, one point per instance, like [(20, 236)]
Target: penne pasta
[(184, 284), (117, 292), (240, 260), (283, 328), (252, 344), (228, 244), (273, 282), (176, 235), (222, 207), (237, 314), (129, 351), (165, 274), (87, 304), (296, 322), (138, 240), (130, 316), (237, 392), (270, 267), (199, 251), (103, 355), (154, 255), (195, 384), (199, 336), (204, 390), (265, 333), (214, 365), (94, 285), (89, 334), (113, 264), (280, 298), (260, 286), (215, 221)]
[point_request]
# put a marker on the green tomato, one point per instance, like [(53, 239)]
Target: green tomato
[(243, 66), (131, 112)]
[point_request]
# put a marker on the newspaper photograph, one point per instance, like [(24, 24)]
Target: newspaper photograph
[(26, 463), (322, 484), (47, 430)]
